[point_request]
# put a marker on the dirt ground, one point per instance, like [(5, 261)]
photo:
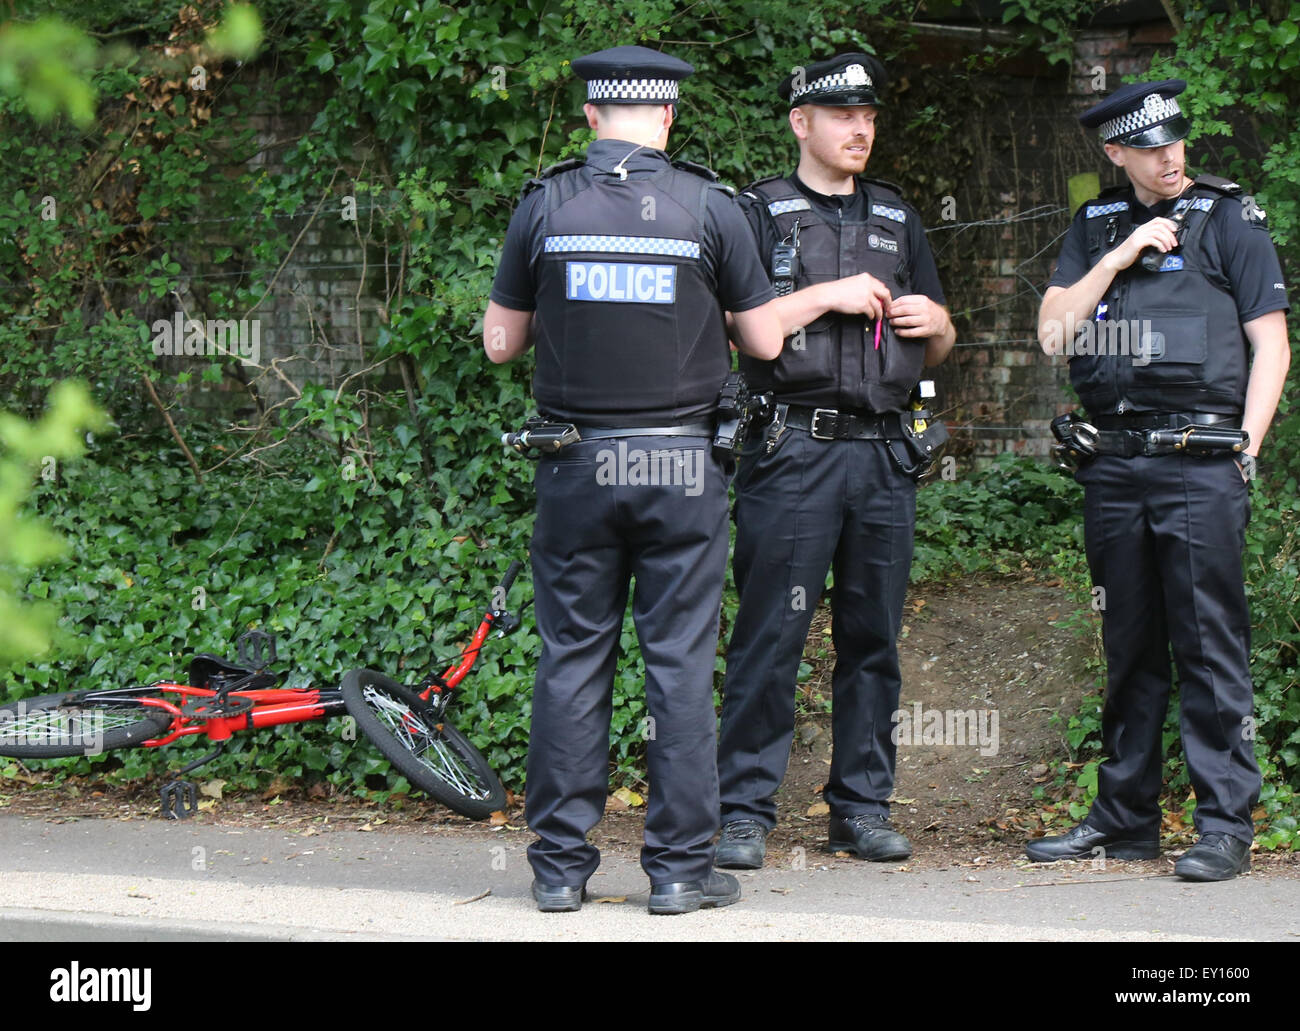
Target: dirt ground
[(980, 647)]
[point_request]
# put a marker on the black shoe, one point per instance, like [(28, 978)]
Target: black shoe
[(742, 845), (559, 898), (868, 836), (1216, 857), (1084, 842), (718, 889)]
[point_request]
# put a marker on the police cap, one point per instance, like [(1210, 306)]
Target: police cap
[(1140, 114), (841, 81), (631, 75)]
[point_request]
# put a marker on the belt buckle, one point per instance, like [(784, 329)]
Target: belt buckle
[(818, 413)]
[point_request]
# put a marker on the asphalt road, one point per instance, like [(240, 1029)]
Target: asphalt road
[(108, 880)]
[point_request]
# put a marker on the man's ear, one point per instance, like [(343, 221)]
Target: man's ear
[(800, 122), (593, 116), (1116, 154)]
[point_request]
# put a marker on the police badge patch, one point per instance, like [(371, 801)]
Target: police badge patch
[(882, 243)]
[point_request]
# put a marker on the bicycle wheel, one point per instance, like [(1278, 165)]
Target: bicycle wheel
[(59, 726), (435, 757)]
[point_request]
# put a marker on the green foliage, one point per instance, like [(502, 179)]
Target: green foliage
[(992, 519), (1054, 23), (349, 569), (27, 543), (43, 65)]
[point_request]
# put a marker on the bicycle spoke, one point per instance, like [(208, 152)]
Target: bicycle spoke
[(70, 725), (425, 743)]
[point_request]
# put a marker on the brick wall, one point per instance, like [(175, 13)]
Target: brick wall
[(313, 323), (998, 391)]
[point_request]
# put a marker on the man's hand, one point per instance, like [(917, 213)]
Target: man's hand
[(1158, 233), (862, 294), (916, 315)]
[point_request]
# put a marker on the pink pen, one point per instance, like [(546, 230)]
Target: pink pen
[(879, 322)]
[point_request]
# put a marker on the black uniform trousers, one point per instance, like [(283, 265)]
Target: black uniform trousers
[(1164, 537), (807, 506), (591, 536)]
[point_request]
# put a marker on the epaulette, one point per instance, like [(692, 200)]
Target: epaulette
[(1105, 203), (706, 173), (761, 182), (1225, 186), (697, 169), (550, 170)]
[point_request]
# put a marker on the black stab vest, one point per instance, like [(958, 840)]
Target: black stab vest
[(628, 331), (1168, 340), (834, 361)]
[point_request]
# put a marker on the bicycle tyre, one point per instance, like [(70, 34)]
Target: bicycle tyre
[(44, 728), (435, 757)]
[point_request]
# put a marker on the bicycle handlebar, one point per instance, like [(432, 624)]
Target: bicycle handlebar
[(509, 578)]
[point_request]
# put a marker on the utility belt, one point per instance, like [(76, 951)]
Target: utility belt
[(737, 410), (1198, 434), (832, 424), (913, 438)]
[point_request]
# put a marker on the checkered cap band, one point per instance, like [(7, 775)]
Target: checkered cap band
[(780, 207), (1154, 110), (852, 77), (1198, 204), (621, 245), (646, 91), (1097, 210), (884, 211)]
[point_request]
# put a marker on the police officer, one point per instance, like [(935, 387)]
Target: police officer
[(617, 270), (1163, 287), (829, 483)]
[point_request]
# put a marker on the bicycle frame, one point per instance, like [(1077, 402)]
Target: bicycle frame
[(271, 707), (276, 706), (444, 685)]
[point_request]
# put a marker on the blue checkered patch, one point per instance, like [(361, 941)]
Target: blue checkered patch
[(780, 207), (1199, 204), (1096, 210), (621, 245), (884, 211)]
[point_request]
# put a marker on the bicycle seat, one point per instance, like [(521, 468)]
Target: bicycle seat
[(203, 666)]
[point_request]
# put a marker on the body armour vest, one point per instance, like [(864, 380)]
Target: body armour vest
[(834, 361), (1168, 340), (628, 330)]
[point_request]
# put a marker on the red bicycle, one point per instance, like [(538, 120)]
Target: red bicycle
[(408, 725)]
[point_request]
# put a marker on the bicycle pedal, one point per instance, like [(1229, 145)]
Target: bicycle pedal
[(179, 799)]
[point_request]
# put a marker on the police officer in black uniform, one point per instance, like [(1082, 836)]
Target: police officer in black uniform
[(1163, 289), (829, 483), (617, 270)]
